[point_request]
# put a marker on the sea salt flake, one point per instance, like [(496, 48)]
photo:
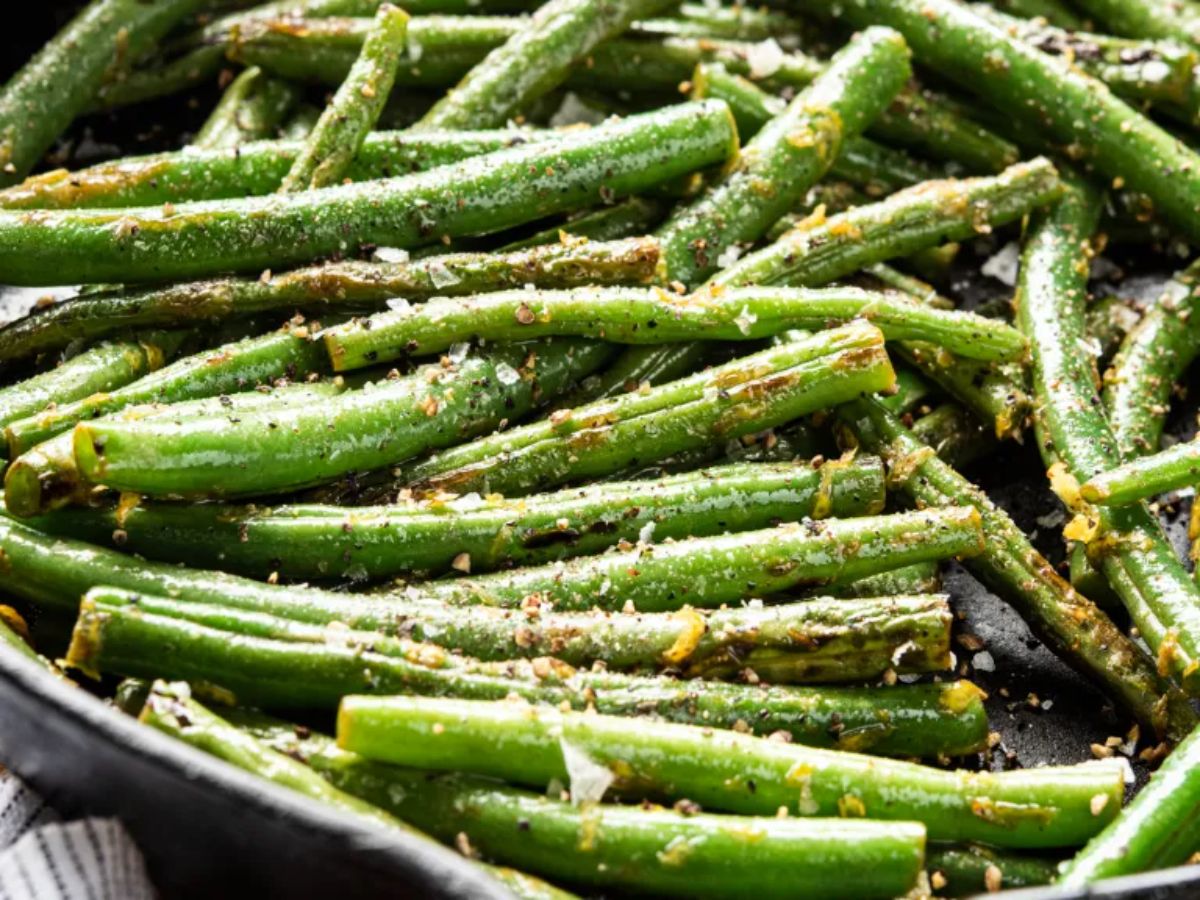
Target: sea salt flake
[(458, 352), (506, 374), (390, 255), (1155, 70), (646, 535), (442, 276), (983, 662), (745, 320), (1126, 770), (399, 304), (765, 58), (729, 256), (587, 778), (1004, 265)]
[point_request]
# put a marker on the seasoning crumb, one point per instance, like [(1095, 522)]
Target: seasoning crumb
[(993, 878), (463, 845)]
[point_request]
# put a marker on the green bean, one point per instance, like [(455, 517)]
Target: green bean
[(1160, 828), (924, 216), (1159, 19), (742, 397), (1043, 93), (45, 478), (430, 536), (1048, 807), (788, 155), (249, 169), (350, 285), (909, 720), (471, 197), (961, 870), (343, 126), (101, 368), (533, 61), (1145, 477), (625, 847), (813, 642), (1066, 621), (1127, 544), (709, 571), (54, 87), (252, 108), (287, 448), (637, 316), (879, 170), (225, 369), (1152, 358), (1159, 73)]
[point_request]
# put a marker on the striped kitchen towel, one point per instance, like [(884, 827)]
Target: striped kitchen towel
[(43, 858)]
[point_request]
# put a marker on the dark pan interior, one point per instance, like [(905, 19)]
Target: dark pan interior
[(208, 829)]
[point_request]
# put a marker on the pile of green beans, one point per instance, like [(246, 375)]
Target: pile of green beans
[(547, 427)]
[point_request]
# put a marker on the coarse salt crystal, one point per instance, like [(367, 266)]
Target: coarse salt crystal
[(729, 256), (765, 58), (745, 320), (442, 276), (506, 374), (587, 778), (983, 661), (1004, 265), (390, 255)]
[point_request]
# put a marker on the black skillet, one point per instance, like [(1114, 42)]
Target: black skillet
[(208, 829)]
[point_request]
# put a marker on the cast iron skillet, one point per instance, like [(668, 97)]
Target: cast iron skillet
[(208, 829)]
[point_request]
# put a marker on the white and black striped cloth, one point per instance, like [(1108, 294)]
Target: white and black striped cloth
[(44, 858)]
